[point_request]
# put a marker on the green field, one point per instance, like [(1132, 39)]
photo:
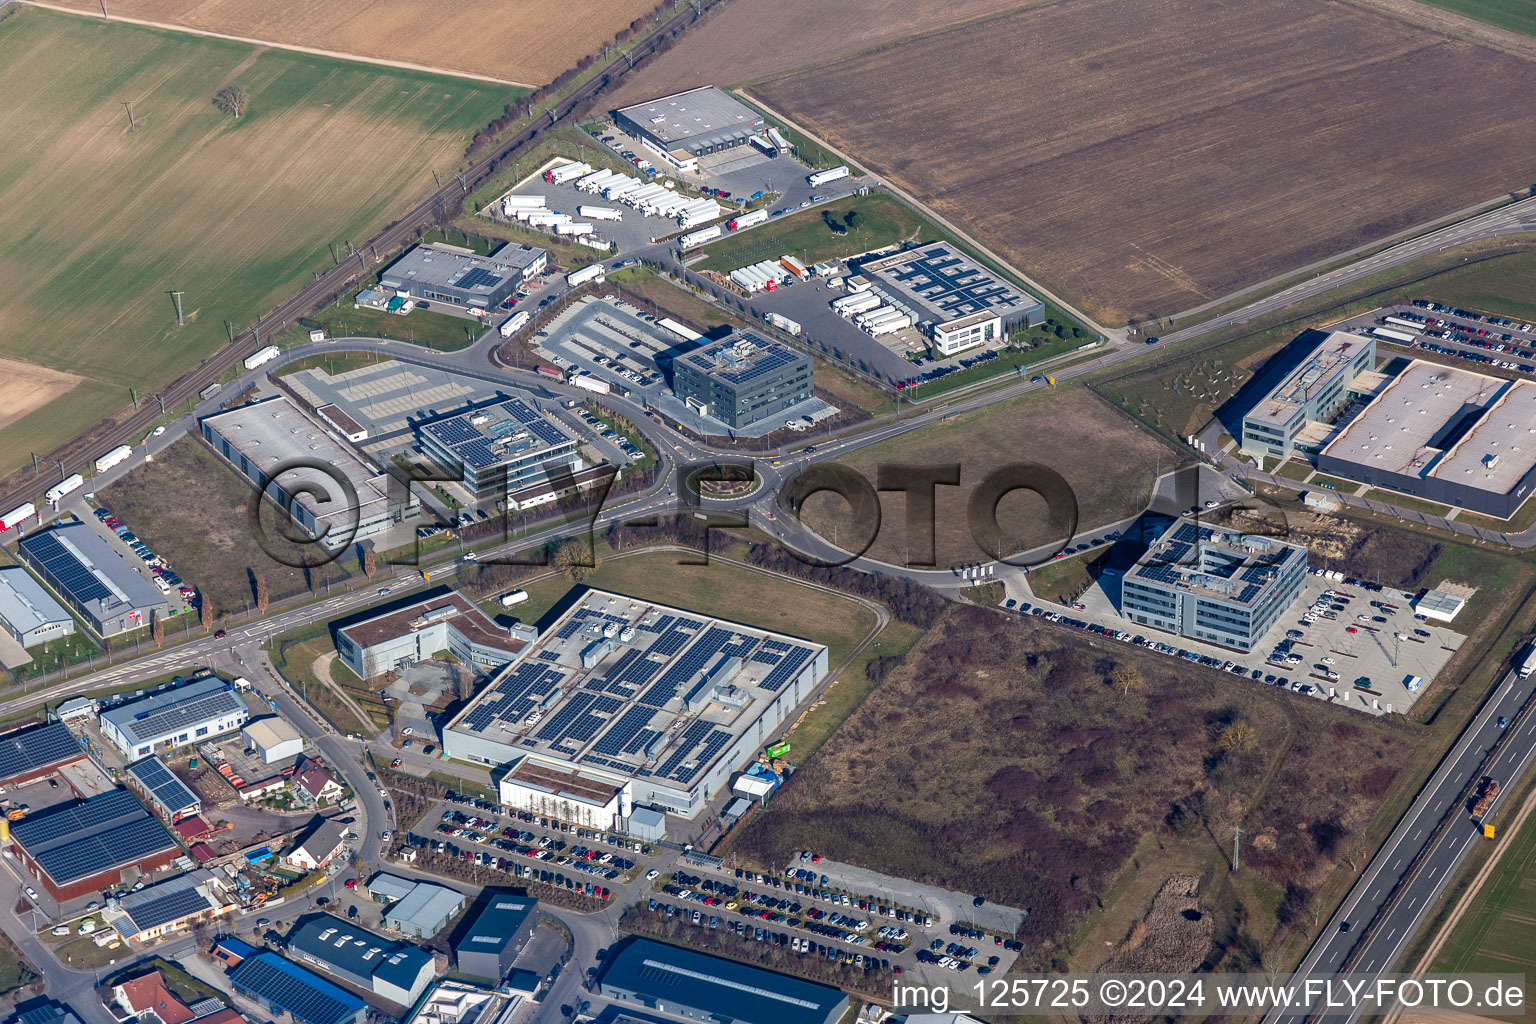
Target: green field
[(806, 236), (1505, 285), (419, 327), (1515, 15), (103, 223), (1497, 934)]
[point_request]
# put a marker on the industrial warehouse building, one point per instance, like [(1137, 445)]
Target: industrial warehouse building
[(1446, 434), (952, 299), (405, 636), (28, 612), (491, 945), (162, 790), (446, 273), (685, 126), (27, 755), (89, 845), (698, 986), (392, 970), (499, 448), (273, 739), (624, 702), (168, 719), (552, 490), (299, 465), (94, 580), (424, 911), (283, 987), (743, 378), (1213, 585), (1295, 415)]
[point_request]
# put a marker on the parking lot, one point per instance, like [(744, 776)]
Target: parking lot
[(1501, 342), (121, 538), (1347, 642)]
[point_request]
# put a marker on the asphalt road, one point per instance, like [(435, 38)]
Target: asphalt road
[(1415, 842)]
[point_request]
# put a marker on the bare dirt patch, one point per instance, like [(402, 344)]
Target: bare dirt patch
[(527, 41), (26, 387), (1193, 149), (745, 41)]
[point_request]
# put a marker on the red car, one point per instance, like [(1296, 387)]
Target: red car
[(395, 763), (351, 883), (220, 635)]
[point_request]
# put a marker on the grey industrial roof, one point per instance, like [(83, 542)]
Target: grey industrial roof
[(741, 357), (289, 987), (946, 285), (75, 841), (357, 951), (169, 790), (27, 750), (171, 900), (277, 437), (497, 924), (698, 112), (168, 711), (459, 268), (427, 905), (497, 434), (1321, 367), (710, 984), (87, 567), (391, 887), (26, 603)]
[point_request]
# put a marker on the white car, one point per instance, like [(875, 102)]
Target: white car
[(159, 430), (652, 875), (31, 893), (383, 791)]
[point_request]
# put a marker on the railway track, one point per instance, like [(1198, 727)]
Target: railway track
[(22, 486)]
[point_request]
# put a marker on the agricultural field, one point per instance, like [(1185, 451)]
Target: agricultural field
[(743, 42), (1072, 432), (1514, 15), (1195, 149), (512, 42), (1058, 770), (232, 213), (1497, 934)]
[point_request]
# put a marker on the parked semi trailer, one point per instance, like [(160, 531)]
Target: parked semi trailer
[(56, 493), (573, 228), (113, 457), (566, 172), (746, 220), (260, 356), (830, 174), (17, 516), (783, 323), (513, 323), (599, 213), (591, 383), (585, 274)]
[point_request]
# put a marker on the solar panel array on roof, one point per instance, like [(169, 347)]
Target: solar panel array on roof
[(29, 750), (515, 695), (788, 665), (79, 840), (67, 569), (169, 790), (477, 277), (174, 905), (303, 994)]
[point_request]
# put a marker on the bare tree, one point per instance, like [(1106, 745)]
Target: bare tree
[(157, 628), (370, 561), (206, 615), (232, 100), (572, 558), (262, 598)]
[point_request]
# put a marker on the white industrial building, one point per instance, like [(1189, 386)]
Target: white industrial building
[(955, 301), (448, 622), (180, 717), (622, 702), (28, 612), (273, 738)]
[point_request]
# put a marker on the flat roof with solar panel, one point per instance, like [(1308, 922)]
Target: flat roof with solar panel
[(91, 577), (30, 753), (940, 284), (189, 713), (446, 273), (79, 841), (744, 377), (621, 688), (173, 900)]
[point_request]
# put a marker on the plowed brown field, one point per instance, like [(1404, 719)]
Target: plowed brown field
[(750, 39), (1143, 156), (525, 41)]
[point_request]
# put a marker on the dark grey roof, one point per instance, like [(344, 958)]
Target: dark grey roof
[(27, 750), (498, 923), (357, 951), (82, 839), (53, 1013), (289, 987), (719, 987), (169, 901), (169, 790), (81, 562)]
